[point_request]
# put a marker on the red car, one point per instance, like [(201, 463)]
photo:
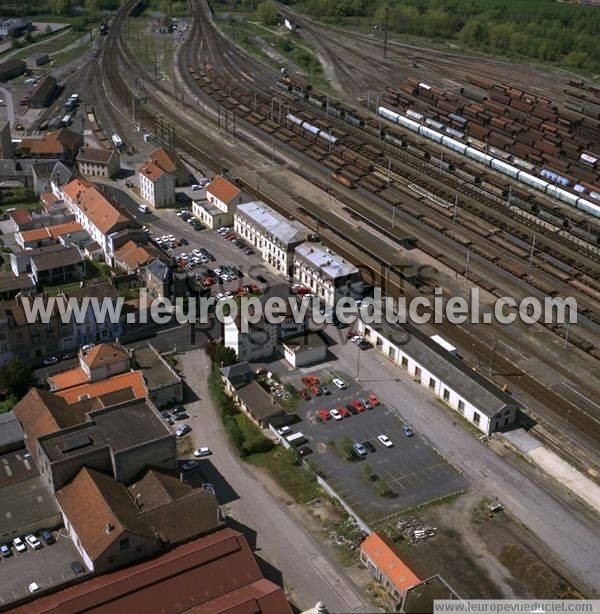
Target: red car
[(374, 400), (323, 413), (358, 405), (316, 390), (345, 413), (209, 281), (305, 395)]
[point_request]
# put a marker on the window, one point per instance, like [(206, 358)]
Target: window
[(392, 353), (432, 383), (461, 407), (124, 544), (405, 362), (379, 342), (418, 373), (476, 417), (446, 394)]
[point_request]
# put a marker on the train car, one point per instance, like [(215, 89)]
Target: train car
[(355, 121), (454, 144), (342, 178)]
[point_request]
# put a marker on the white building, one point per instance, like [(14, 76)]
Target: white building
[(305, 349), (271, 233), (325, 273), (222, 199), (262, 339), (157, 187), (452, 381)]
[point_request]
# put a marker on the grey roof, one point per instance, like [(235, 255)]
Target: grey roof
[(59, 256), (10, 430), (119, 428), (238, 374), (159, 269), (259, 402), (483, 394), (21, 282), (321, 258), (61, 174), (155, 370), (304, 341), (287, 232)]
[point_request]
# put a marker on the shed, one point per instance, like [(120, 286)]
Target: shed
[(37, 59)]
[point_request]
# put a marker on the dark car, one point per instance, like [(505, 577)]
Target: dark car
[(47, 537), (370, 447), (351, 409), (261, 279), (304, 451), (77, 568), (305, 395)]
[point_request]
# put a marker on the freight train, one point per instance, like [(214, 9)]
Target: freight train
[(495, 163)]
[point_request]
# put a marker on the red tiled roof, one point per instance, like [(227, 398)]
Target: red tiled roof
[(389, 563), (67, 379), (20, 216), (222, 189), (151, 171), (99, 210), (131, 380), (166, 159), (62, 229), (214, 574), (35, 234), (134, 255), (104, 354)]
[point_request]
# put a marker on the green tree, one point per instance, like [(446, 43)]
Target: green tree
[(60, 7), (8, 403), (266, 12), (15, 377)]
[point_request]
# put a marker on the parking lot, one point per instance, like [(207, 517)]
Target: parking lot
[(410, 468), (48, 566)]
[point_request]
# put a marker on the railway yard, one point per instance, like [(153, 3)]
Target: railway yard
[(434, 170)]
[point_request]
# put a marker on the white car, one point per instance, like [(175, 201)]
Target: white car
[(385, 440), (196, 186), (144, 208), (33, 541), (19, 545), (358, 339), (339, 383), (197, 252), (200, 452), (51, 360), (33, 587), (284, 430), (335, 414)]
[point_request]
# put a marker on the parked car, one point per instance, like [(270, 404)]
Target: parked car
[(335, 414), (359, 449), (305, 395), (351, 409), (339, 383), (323, 413), (47, 537), (358, 405), (385, 440), (195, 186), (77, 568), (33, 541), (189, 465), (33, 587), (284, 430), (369, 446), (182, 430), (50, 360), (304, 451), (5, 551), (343, 411), (407, 430), (325, 390), (200, 452), (19, 545), (366, 403), (374, 400)]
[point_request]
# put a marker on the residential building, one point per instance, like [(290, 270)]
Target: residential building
[(169, 161), (131, 256), (56, 264), (11, 68), (257, 403), (157, 187), (162, 282), (7, 149), (381, 558), (63, 144), (37, 59), (222, 199), (113, 525), (254, 341), (120, 440), (104, 220), (98, 162), (237, 375), (66, 234), (305, 349), (326, 274), (61, 175), (39, 218), (216, 573), (422, 597), (102, 361), (164, 386), (43, 93), (470, 394), (11, 286), (273, 235)]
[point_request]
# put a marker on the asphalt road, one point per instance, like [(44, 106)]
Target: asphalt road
[(307, 573), (568, 530)]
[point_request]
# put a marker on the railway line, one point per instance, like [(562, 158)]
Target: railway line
[(371, 249)]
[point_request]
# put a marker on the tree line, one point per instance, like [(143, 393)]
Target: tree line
[(540, 29)]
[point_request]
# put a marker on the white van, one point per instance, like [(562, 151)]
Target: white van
[(144, 208)]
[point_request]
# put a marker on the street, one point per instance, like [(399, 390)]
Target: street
[(280, 540)]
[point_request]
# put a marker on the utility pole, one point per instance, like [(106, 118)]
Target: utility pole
[(155, 75), (385, 31), (393, 216), (493, 355), (467, 267), (568, 329), (531, 254), (91, 39), (389, 171), (455, 208)]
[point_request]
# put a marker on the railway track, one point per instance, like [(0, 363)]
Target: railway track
[(370, 248)]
